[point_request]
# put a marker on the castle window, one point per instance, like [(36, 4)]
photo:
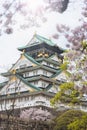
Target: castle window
[(26, 98), (35, 72), (20, 99), (44, 72), (8, 89), (32, 97), (26, 74), (84, 107), (16, 88), (48, 63), (54, 66), (7, 101), (19, 88), (43, 84), (36, 82)]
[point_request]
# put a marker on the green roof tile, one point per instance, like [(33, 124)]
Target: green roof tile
[(38, 40), (57, 73), (31, 59), (42, 39), (3, 84)]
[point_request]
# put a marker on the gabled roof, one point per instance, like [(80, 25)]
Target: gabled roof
[(39, 40), (36, 40)]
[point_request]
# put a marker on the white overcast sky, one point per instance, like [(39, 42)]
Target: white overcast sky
[(9, 43)]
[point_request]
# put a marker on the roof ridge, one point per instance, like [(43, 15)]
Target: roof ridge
[(48, 41)]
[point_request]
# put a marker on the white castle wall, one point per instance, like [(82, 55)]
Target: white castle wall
[(37, 72), (28, 101), (41, 83)]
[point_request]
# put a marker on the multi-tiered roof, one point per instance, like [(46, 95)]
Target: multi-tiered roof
[(36, 70)]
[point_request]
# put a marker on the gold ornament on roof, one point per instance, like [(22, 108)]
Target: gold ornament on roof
[(46, 55), (13, 78), (13, 71), (33, 65), (24, 51), (40, 54), (31, 90), (22, 56)]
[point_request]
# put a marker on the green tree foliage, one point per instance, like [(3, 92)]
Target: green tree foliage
[(79, 123), (64, 66), (66, 120), (67, 94), (74, 68), (84, 45)]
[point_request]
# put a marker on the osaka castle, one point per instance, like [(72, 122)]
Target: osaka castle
[(34, 79)]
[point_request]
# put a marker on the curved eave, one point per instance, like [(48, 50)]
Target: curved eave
[(23, 48), (6, 74), (22, 70), (26, 93), (42, 77), (57, 73), (49, 68), (40, 66), (31, 59), (48, 60), (3, 84)]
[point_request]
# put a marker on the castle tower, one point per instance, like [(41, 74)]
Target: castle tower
[(33, 79)]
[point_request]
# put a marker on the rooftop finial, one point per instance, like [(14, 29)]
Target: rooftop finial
[(35, 33)]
